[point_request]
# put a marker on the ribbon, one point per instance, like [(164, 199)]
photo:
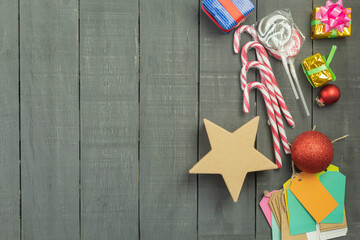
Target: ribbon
[(232, 10), (334, 16)]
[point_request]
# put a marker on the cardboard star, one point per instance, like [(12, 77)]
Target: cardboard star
[(232, 155)]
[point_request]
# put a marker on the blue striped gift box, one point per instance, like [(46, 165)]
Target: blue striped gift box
[(222, 17)]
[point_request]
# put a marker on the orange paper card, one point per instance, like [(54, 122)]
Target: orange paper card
[(313, 196)]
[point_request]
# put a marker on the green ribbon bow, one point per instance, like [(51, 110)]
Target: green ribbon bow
[(323, 67)]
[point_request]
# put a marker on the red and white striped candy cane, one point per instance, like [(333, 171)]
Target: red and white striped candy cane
[(267, 81), (271, 115), (237, 35), (264, 59), (261, 53)]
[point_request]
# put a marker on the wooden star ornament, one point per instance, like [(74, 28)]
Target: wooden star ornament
[(232, 155)]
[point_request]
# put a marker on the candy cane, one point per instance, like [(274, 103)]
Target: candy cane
[(239, 31), (267, 81), (264, 59), (267, 76), (271, 115), (261, 53)]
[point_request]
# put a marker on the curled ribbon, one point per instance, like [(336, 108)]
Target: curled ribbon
[(334, 15)]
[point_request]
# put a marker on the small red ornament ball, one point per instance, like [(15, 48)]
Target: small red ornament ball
[(312, 152), (328, 95)]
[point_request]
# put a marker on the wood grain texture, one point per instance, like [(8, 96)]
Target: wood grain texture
[(168, 118), (135, 122), (9, 122), (271, 180), (221, 103), (343, 117), (109, 119), (49, 119)]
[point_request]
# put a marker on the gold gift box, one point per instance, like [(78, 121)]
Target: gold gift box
[(323, 74), (318, 30)]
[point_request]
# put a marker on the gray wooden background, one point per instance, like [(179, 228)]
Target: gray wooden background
[(101, 108)]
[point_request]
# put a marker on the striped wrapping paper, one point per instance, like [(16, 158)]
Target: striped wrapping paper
[(227, 14)]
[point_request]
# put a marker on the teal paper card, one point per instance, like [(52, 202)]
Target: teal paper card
[(335, 182), (300, 219), (276, 235)]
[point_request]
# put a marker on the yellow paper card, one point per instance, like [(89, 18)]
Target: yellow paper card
[(313, 196), (285, 187)]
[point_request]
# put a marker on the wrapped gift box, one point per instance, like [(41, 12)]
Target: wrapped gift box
[(317, 70), (227, 14), (331, 21)]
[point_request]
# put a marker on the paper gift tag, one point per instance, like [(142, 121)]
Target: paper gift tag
[(331, 168), (333, 234), (274, 205), (264, 205), (335, 182), (333, 226), (333, 230), (286, 186), (313, 196), (300, 220), (314, 235), (275, 231), (284, 228)]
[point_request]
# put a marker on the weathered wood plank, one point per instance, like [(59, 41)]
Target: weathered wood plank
[(9, 122), (109, 119), (221, 102), (49, 119), (168, 118), (271, 180), (343, 117)]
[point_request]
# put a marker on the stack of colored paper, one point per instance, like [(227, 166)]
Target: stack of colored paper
[(311, 206)]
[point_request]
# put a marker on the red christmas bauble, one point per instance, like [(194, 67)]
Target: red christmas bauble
[(312, 152), (328, 95)]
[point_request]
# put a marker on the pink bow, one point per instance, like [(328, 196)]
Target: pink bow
[(334, 15)]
